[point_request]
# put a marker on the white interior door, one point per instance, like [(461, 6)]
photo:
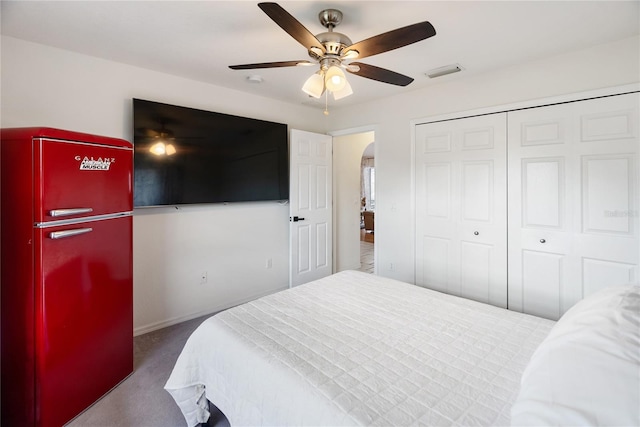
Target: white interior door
[(573, 202), (310, 197), (461, 228)]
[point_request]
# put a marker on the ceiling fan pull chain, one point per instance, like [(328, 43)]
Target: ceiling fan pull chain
[(326, 102)]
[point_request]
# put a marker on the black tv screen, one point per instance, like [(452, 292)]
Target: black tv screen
[(188, 156)]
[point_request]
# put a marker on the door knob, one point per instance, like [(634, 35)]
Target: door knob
[(542, 241), (475, 233)]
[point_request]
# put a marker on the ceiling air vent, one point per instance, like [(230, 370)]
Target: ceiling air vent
[(443, 71)]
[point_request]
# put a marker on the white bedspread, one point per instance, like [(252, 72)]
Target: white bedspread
[(357, 349)]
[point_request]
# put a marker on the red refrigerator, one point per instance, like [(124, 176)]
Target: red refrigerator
[(66, 292)]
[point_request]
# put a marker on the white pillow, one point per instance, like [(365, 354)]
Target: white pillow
[(587, 371)]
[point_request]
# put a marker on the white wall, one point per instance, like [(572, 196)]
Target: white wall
[(347, 156), (597, 67), (43, 86)]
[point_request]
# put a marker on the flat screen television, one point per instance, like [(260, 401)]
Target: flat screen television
[(189, 156)]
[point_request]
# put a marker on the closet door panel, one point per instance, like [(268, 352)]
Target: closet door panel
[(540, 178), (439, 229), (542, 278), (477, 191), (610, 119), (597, 272), (607, 194), (475, 259), (481, 138), (437, 256), (434, 184), (573, 196), (542, 192), (482, 208), (437, 194), (608, 224), (435, 245), (461, 200)]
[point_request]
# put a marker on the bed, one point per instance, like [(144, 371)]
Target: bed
[(359, 349)]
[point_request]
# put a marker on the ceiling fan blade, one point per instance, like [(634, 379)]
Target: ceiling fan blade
[(393, 39), (291, 25), (270, 65), (380, 74)]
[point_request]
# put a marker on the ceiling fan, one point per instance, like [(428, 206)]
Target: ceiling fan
[(333, 51)]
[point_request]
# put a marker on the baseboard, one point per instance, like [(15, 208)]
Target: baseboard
[(141, 330)]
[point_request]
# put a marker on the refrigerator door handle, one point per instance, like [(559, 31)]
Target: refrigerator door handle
[(72, 211), (69, 233)]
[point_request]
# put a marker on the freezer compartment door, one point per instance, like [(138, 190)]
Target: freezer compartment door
[(77, 179), (84, 315)]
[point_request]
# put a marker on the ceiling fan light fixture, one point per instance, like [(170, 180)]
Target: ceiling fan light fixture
[(350, 54), (314, 86), (170, 149), (335, 79), (344, 92), (316, 50), (352, 68)]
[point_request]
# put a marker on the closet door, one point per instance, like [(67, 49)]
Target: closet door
[(573, 202), (460, 178)]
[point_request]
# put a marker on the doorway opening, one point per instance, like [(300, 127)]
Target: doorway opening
[(351, 252), (368, 208)]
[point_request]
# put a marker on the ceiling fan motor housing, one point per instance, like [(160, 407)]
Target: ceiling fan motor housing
[(333, 42)]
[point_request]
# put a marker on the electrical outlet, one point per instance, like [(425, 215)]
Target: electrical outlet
[(203, 277), (391, 266), (269, 263)]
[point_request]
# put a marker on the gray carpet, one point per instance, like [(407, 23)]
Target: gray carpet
[(140, 400)]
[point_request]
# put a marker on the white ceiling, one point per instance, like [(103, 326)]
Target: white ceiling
[(200, 39)]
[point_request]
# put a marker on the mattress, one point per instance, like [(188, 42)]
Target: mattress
[(357, 349)]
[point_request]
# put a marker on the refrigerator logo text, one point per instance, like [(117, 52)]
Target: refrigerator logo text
[(91, 164)]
